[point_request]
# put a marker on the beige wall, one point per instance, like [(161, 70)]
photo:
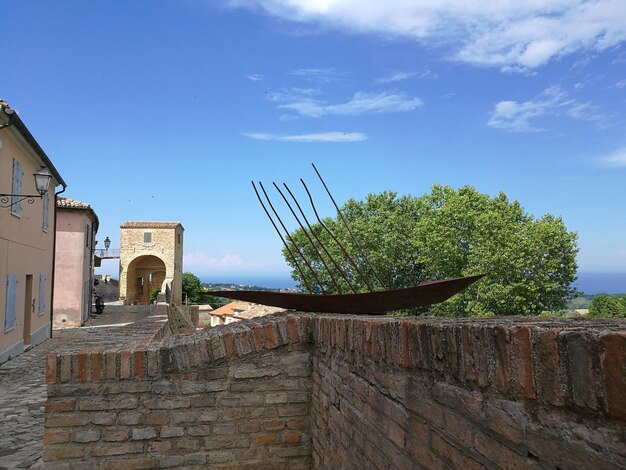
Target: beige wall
[(72, 290), (166, 244), (25, 249)]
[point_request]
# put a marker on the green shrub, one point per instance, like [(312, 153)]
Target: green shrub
[(608, 306)]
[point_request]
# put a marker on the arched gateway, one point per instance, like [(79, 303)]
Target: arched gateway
[(151, 255)]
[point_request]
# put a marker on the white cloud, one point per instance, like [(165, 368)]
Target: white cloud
[(254, 77), (621, 84), (292, 94), (400, 76), (319, 137), (201, 261), (361, 103), (586, 112), (617, 159), (513, 116), (505, 33), (327, 75)]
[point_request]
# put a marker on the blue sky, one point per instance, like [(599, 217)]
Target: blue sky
[(167, 110)]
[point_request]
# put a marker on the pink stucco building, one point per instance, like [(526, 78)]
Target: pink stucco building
[(77, 224)]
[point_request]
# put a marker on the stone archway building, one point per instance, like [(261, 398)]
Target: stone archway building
[(151, 254)]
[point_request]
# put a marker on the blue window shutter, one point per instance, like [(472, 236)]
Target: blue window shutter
[(45, 200), (16, 188), (42, 293), (9, 314)]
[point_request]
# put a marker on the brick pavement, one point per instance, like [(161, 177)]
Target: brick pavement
[(22, 379)]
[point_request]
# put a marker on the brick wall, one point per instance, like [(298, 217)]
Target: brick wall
[(236, 397), (324, 391), (507, 393)]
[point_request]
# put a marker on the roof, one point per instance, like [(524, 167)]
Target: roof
[(229, 308), (72, 204), (67, 203), (12, 119), (151, 225), (245, 310)]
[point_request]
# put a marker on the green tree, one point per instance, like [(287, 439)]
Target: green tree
[(154, 294), (192, 287), (608, 306), (530, 263)]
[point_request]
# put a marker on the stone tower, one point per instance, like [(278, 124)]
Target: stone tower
[(151, 255)]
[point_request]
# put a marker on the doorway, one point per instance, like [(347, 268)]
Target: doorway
[(29, 308)]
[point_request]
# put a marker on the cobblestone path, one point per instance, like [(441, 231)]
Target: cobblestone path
[(22, 380)]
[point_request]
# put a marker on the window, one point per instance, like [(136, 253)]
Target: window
[(9, 312), (45, 200), (16, 188), (86, 235), (179, 238), (42, 293), (147, 237)]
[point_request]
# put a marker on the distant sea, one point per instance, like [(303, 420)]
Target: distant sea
[(271, 282), (601, 283), (588, 283)]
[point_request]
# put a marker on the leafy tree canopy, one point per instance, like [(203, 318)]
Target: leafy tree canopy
[(530, 263), (192, 287)]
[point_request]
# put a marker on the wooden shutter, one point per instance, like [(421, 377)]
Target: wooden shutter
[(45, 200), (42, 293), (16, 188), (9, 313)]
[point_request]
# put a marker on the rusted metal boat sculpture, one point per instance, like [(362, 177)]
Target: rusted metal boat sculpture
[(425, 293)]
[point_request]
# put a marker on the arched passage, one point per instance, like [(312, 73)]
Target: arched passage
[(145, 273)]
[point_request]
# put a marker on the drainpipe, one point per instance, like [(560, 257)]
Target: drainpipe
[(54, 256)]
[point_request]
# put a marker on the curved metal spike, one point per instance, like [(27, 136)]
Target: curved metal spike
[(345, 222), (293, 243), (295, 261), (345, 252), (343, 275)]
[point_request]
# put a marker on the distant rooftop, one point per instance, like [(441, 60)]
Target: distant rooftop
[(151, 225), (245, 310)]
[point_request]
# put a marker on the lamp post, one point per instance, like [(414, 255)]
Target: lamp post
[(42, 183), (107, 243)]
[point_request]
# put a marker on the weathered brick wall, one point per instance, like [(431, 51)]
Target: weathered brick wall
[(231, 397), (507, 393), (330, 391)]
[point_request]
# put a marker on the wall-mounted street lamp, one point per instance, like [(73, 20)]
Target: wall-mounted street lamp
[(107, 244), (42, 183)]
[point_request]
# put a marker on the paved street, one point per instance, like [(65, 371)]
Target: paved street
[(23, 388)]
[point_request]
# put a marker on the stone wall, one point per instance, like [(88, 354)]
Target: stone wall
[(165, 243), (324, 391)]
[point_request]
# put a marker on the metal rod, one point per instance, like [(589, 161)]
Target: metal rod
[(283, 240), (291, 239), (323, 248), (306, 233), (345, 222), (345, 252)]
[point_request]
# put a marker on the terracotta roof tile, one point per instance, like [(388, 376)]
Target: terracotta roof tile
[(68, 203), (245, 310)]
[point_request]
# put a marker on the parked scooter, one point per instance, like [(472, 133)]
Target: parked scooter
[(99, 303)]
